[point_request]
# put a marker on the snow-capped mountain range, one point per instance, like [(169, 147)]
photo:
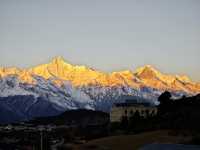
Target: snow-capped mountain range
[(52, 88)]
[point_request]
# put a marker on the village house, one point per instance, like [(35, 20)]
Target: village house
[(129, 107)]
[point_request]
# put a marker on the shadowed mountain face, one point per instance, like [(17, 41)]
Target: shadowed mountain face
[(60, 86), (15, 108)]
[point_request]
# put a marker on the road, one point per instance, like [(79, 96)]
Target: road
[(54, 147)]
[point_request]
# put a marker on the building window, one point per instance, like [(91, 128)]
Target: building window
[(142, 112), (131, 112), (147, 112), (152, 112), (125, 112)]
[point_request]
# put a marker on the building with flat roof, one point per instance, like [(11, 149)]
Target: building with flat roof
[(129, 107)]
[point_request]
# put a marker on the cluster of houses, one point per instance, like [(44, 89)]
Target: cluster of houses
[(129, 108), (88, 123)]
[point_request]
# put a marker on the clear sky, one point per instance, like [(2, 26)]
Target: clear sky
[(108, 35)]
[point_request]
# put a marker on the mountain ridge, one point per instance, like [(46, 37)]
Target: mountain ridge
[(52, 88), (80, 75)]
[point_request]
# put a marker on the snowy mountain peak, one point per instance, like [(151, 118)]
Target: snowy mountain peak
[(9, 71), (147, 72), (183, 78), (54, 87), (59, 60), (147, 76)]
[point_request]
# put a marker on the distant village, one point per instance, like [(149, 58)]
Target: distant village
[(76, 127)]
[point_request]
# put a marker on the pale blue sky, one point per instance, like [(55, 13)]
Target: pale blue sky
[(108, 35)]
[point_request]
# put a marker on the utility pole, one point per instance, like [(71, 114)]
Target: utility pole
[(41, 140), (41, 128)]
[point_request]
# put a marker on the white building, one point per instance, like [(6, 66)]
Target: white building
[(129, 108)]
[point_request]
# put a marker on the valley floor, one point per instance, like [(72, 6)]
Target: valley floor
[(132, 142)]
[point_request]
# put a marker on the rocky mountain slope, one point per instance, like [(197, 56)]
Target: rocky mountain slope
[(59, 86)]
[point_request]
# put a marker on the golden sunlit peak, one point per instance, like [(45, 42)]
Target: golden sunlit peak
[(146, 67), (58, 59), (183, 78), (149, 67), (80, 75)]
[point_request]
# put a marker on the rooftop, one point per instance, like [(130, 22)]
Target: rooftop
[(129, 103)]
